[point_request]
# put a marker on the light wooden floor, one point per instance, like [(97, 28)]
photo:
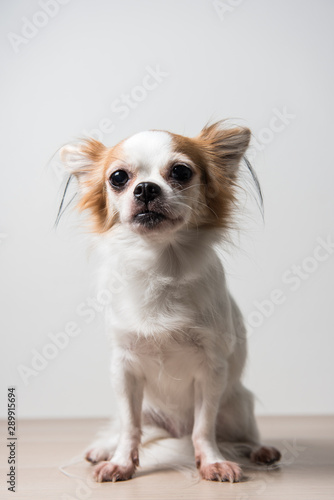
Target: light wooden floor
[(306, 473)]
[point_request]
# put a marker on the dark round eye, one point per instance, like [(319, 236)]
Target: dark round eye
[(119, 178), (181, 172)]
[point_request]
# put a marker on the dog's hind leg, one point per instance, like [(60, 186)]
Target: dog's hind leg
[(236, 425)]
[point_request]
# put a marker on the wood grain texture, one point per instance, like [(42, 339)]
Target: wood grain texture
[(307, 470)]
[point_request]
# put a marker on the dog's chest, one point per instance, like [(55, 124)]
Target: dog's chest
[(150, 304), (163, 293), (169, 367)]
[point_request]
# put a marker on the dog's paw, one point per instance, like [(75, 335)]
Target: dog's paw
[(98, 454), (221, 471), (108, 471), (265, 455)]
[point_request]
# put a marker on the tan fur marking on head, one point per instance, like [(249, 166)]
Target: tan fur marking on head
[(95, 196), (216, 152)]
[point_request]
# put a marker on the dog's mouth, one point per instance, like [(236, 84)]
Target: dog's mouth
[(149, 218)]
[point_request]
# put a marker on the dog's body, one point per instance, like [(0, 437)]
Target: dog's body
[(178, 339)]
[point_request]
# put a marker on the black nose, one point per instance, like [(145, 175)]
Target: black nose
[(146, 191)]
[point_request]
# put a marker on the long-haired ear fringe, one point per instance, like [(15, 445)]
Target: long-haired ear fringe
[(62, 210), (225, 144), (86, 161), (256, 183), (80, 160)]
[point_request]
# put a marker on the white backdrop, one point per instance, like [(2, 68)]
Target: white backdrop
[(77, 67)]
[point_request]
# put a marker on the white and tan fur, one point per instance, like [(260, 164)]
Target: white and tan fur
[(178, 338)]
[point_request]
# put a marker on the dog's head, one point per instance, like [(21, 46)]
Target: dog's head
[(159, 182)]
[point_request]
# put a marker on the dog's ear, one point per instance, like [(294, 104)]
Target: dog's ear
[(225, 146), (223, 149), (83, 157), (86, 161)]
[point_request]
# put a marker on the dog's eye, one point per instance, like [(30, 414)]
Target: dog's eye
[(181, 172), (119, 178)]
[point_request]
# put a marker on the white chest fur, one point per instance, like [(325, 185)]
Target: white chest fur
[(164, 289)]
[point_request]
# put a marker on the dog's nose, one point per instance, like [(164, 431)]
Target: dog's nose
[(146, 191)]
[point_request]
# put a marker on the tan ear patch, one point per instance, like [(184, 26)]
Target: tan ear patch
[(88, 162), (216, 152)]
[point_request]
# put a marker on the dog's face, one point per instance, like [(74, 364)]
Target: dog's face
[(152, 186), (158, 182)]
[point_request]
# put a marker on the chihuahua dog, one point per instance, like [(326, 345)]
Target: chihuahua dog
[(160, 204)]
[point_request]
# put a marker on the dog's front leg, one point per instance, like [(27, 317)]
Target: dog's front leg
[(209, 387), (128, 387)]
